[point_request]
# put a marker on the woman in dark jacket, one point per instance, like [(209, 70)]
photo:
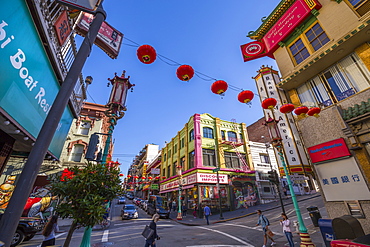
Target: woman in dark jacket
[(153, 225)]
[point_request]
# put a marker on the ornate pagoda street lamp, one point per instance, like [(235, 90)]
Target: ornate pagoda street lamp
[(276, 142), (116, 107)]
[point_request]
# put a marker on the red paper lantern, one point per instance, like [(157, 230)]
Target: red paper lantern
[(301, 111), (150, 178), (245, 96), (314, 111), (129, 176), (287, 108), (121, 175), (143, 177), (269, 103), (157, 177), (163, 177), (219, 87), (146, 54), (136, 177), (185, 72)]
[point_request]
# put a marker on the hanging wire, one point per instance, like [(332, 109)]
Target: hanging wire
[(197, 73), (90, 96)]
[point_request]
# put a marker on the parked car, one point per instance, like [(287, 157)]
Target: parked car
[(26, 229), (138, 201), (157, 204), (129, 212), (130, 196), (121, 200)]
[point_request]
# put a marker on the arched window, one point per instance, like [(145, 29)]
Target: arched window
[(208, 132), (231, 136), (84, 128), (77, 152), (191, 135)]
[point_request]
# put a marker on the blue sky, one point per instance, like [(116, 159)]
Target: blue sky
[(205, 34)]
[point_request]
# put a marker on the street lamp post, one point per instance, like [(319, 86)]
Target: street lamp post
[(116, 107), (271, 123), (276, 184), (179, 212)]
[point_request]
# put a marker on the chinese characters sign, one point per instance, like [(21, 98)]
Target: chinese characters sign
[(328, 150), (342, 180), (62, 28)]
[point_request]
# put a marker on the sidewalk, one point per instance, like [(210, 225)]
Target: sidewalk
[(250, 211)]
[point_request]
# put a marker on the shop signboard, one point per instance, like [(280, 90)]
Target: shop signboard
[(328, 150), (155, 171), (211, 178), (154, 186), (28, 85)]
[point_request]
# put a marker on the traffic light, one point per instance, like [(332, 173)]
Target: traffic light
[(273, 177), (91, 149)]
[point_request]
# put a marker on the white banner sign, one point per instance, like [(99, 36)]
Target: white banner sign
[(155, 171), (211, 178)]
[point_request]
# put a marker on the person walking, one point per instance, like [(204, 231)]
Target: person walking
[(184, 209), (264, 222), (49, 231), (153, 225), (195, 210), (174, 206), (285, 223), (207, 213)]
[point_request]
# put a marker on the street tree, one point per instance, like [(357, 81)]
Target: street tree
[(84, 193)]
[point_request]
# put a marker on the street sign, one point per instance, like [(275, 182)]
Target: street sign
[(216, 169), (85, 5)]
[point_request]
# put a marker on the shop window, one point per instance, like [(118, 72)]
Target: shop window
[(77, 152), (209, 158), (191, 159), (231, 160), (223, 135), (336, 83), (208, 132), (312, 40), (360, 6), (191, 135), (264, 158), (84, 128), (231, 136)]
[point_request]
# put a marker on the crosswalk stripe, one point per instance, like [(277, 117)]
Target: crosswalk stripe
[(228, 235), (105, 236)]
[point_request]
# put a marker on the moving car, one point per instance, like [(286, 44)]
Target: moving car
[(129, 212), (130, 196), (156, 204), (26, 229), (121, 200)]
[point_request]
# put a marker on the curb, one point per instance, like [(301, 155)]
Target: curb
[(242, 216)]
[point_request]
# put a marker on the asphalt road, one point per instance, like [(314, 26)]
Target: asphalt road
[(238, 232)]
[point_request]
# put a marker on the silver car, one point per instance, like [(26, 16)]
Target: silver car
[(129, 212)]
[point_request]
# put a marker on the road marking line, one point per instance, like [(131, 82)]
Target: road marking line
[(61, 234), (105, 236), (258, 228), (228, 235)]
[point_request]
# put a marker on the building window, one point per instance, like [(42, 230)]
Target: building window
[(208, 132), (175, 149), (84, 128), (191, 135), (164, 173), (182, 142), (174, 169), (209, 158), (77, 152), (191, 159), (231, 136), (169, 171), (231, 160), (264, 158), (312, 40), (241, 140), (266, 189), (169, 154), (223, 135), (360, 6), (165, 157), (182, 163), (336, 83)]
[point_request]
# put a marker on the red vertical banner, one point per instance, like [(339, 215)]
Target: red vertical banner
[(62, 28)]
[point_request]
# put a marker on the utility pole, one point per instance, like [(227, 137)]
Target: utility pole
[(12, 214)]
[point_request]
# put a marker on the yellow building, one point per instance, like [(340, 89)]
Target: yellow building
[(322, 51)]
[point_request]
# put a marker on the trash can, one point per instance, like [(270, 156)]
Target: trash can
[(327, 231), (314, 214)]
